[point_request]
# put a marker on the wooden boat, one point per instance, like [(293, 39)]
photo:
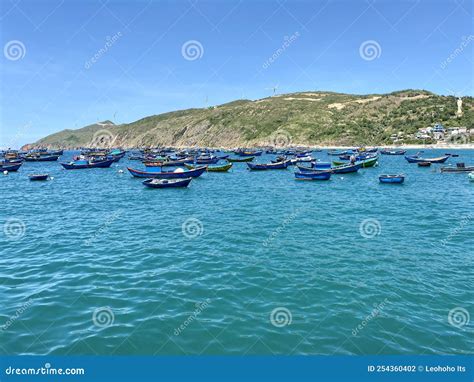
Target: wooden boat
[(221, 168), (10, 167), (316, 175), (416, 159), (424, 164), (347, 168), (246, 159), (321, 165), (269, 166), (248, 153), (41, 158), (198, 171), (393, 152), (460, 167), (167, 163), (167, 183), (84, 163), (337, 153), (369, 162), (399, 178), (38, 176)]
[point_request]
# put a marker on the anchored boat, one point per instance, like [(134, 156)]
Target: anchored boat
[(398, 178)]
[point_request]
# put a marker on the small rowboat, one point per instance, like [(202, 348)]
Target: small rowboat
[(38, 176), (41, 158), (248, 153), (222, 168), (337, 153), (10, 167), (394, 152), (392, 178), (424, 164), (246, 159), (167, 163), (319, 175), (198, 171), (348, 168), (167, 183), (368, 162), (416, 159), (269, 166), (460, 167), (82, 164)]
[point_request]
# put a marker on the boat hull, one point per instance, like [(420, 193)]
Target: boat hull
[(168, 175), (416, 159), (172, 183), (393, 179), (37, 177), (10, 168), (101, 164), (268, 166), (322, 175)]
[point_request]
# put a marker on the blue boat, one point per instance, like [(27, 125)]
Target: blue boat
[(347, 168), (416, 159), (38, 176), (10, 167), (399, 178), (269, 166), (320, 175), (168, 175), (84, 163), (393, 152), (308, 169), (167, 183)]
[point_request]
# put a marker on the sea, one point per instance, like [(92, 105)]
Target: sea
[(240, 263)]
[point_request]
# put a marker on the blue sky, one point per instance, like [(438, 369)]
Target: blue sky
[(50, 79)]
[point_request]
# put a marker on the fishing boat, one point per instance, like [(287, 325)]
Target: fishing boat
[(38, 176), (416, 159), (393, 152), (337, 153), (86, 163), (245, 153), (10, 167), (246, 159), (424, 164), (36, 157), (167, 183), (176, 174), (319, 175), (369, 162), (269, 166), (167, 163), (320, 165), (399, 178), (220, 168), (347, 168), (460, 167)]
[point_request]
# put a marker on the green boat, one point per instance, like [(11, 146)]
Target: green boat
[(243, 159), (365, 163), (222, 168)]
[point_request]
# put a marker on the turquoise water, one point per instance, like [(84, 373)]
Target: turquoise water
[(97, 264)]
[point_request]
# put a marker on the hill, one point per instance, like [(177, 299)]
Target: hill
[(305, 118)]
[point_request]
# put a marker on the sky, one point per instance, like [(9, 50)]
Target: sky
[(68, 64)]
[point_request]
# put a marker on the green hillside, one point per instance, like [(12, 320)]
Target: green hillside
[(307, 118)]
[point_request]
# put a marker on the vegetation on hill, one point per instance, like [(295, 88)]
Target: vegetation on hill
[(306, 118)]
